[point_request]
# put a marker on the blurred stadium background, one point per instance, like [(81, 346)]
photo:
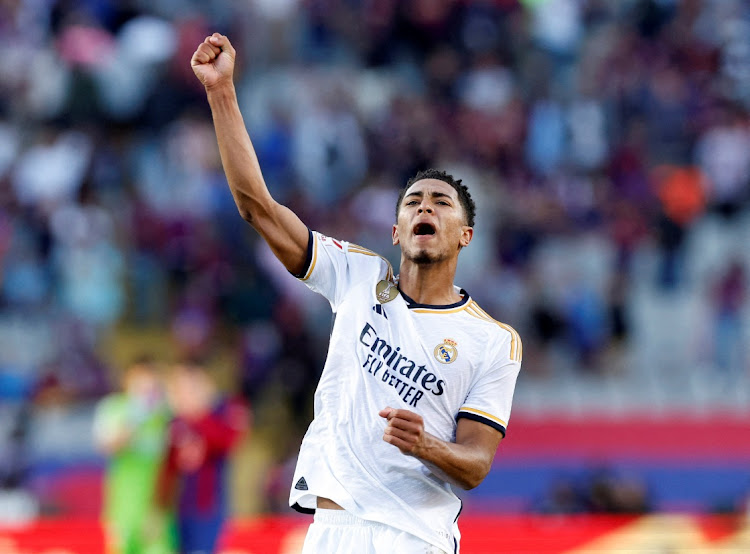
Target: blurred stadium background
[(607, 144)]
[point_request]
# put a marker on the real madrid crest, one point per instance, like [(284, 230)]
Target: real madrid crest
[(446, 352), (385, 291)]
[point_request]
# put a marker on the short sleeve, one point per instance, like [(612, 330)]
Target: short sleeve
[(490, 398), (334, 266)]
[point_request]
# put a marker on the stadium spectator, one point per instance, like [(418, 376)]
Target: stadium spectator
[(682, 192), (728, 300)]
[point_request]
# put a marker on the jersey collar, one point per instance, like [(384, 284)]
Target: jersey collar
[(413, 304)]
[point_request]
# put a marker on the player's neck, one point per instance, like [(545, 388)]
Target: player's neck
[(428, 284)]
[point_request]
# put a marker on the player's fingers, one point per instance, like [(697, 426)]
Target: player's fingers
[(404, 435), (200, 57), (405, 415), (385, 412), (214, 48), (404, 425), (398, 443), (210, 51), (222, 42), (413, 424)]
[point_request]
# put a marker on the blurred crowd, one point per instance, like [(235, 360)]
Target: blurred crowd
[(598, 138)]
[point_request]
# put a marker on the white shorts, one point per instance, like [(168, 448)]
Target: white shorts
[(339, 532)]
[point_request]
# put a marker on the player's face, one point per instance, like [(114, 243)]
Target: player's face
[(431, 224)]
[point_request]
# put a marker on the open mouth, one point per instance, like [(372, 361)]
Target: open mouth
[(424, 229)]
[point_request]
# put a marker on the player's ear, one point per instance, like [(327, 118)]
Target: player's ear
[(394, 235), (467, 233)]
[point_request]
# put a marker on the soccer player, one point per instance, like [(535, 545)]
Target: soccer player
[(205, 429), (130, 428), (416, 391)]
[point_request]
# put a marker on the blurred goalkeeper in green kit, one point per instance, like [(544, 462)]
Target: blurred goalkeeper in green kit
[(130, 428)]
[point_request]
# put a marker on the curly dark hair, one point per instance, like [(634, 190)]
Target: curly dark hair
[(464, 196)]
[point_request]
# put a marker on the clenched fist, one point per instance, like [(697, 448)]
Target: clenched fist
[(404, 430), (213, 61)]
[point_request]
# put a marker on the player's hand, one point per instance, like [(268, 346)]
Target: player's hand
[(404, 430), (213, 61)]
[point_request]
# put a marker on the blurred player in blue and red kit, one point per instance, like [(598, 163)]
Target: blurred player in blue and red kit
[(205, 428)]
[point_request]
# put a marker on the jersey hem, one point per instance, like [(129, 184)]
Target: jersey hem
[(297, 508)]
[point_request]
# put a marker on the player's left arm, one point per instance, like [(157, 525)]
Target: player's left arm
[(464, 463)]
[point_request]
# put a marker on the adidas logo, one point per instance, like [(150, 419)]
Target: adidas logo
[(301, 484)]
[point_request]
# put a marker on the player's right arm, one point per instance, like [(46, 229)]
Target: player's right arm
[(213, 64)]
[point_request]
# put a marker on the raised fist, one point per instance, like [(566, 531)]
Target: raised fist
[(213, 61)]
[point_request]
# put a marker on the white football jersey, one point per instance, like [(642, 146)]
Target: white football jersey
[(442, 362)]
